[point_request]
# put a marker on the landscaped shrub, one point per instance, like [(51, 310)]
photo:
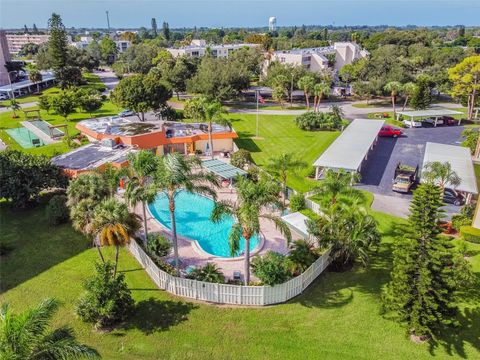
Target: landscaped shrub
[(464, 218), (271, 269), (302, 255), (318, 121), (297, 202), (241, 158), (107, 299), (57, 210), (471, 234), (158, 245), (208, 273)]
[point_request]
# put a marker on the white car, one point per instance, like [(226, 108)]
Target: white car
[(3, 97), (412, 123), (431, 121)]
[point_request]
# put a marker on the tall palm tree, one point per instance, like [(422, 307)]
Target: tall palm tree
[(408, 90), (306, 83), (140, 187), (337, 183), (253, 198), (115, 225), (440, 174), (27, 336), (280, 165), (319, 91), (176, 173), (36, 77), (15, 106), (394, 87)]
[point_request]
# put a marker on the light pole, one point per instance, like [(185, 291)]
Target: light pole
[(10, 81)]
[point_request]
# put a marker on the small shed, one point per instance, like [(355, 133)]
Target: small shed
[(297, 222)]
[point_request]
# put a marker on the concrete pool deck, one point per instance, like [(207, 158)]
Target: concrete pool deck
[(190, 255)]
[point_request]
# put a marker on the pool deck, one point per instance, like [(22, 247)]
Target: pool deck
[(41, 135), (191, 255)]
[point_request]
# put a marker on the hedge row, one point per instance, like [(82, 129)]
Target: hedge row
[(471, 234)]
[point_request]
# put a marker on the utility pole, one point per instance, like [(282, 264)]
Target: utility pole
[(108, 22)]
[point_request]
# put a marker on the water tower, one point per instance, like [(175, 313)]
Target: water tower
[(272, 24)]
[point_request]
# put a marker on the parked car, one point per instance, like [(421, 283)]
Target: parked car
[(450, 121), (126, 113), (431, 122), (390, 131), (404, 178), (3, 97), (450, 196), (412, 123)]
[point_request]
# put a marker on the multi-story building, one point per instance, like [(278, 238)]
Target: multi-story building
[(16, 41), (122, 45), (4, 58), (198, 48)]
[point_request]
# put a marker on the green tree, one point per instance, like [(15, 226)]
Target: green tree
[(108, 49), (252, 199), (35, 77), (154, 28), (57, 46), (166, 31), (140, 187), (271, 268), (176, 173), (306, 83), (421, 97), (470, 139), (280, 165), (208, 273), (141, 93), (64, 103), (427, 275), (34, 29), (408, 90), (209, 112), (466, 81), (319, 91), (394, 88), (15, 106), (301, 255), (28, 336), (336, 184), (440, 174), (90, 103)]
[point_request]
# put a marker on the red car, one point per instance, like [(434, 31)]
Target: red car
[(390, 131), (448, 120)]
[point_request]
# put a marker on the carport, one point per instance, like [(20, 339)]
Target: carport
[(351, 148), (429, 113), (461, 162)]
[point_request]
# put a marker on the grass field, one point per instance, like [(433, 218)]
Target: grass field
[(338, 317), (279, 134)]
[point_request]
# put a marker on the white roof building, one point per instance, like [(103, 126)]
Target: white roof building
[(198, 48)]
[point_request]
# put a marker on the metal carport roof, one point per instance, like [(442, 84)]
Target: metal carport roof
[(350, 148), (222, 169), (429, 112), (460, 160)]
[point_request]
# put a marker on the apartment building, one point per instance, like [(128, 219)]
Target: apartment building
[(198, 48), (16, 41)]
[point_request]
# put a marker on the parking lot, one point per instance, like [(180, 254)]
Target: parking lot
[(378, 171)]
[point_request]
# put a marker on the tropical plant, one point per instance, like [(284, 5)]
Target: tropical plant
[(271, 268), (252, 199), (208, 273), (14, 105), (176, 173), (64, 103), (282, 163), (421, 97), (465, 77), (440, 174), (471, 140), (408, 90), (28, 336), (114, 224), (312, 121), (319, 91), (302, 254), (297, 202), (35, 77), (393, 87), (209, 112), (140, 187), (306, 83), (241, 158), (57, 210), (107, 299), (335, 184), (464, 218), (158, 245)]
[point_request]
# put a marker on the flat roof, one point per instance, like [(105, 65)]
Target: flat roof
[(350, 148), (26, 83), (297, 221), (460, 160), (121, 126), (222, 169), (91, 156), (429, 112)]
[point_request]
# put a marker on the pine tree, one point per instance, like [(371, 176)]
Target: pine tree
[(428, 275), (25, 29), (421, 97), (58, 43), (34, 28), (166, 31), (154, 27)]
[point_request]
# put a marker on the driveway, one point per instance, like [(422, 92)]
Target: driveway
[(108, 78)]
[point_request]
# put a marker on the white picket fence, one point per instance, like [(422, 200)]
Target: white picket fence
[(230, 294)]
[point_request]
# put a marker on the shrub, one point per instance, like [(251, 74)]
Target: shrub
[(271, 269), (464, 218), (208, 273), (318, 121), (158, 245), (302, 255), (471, 234), (241, 158), (57, 210), (253, 174), (107, 299), (297, 202)]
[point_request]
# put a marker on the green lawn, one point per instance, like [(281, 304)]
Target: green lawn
[(280, 134), (336, 318), (372, 104)]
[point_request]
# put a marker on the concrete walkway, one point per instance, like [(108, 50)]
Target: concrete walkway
[(41, 135)]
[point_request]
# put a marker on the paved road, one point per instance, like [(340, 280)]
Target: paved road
[(23, 106), (108, 78)]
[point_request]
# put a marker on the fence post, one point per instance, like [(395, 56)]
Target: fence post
[(218, 292), (263, 295), (240, 300)]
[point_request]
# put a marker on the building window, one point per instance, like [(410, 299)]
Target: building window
[(195, 53), (282, 59)]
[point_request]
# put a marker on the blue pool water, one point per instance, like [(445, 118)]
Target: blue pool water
[(24, 137), (192, 215)]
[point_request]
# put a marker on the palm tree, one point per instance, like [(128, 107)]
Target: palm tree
[(408, 90), (337, 183), (175, 173), (140, 187), (15, 106), (36, 77), (280, 165), (114, 224), (27, 336), (253, 198), (440, 174), (394, 87), (306, 83), (319, 91), (208, 273)]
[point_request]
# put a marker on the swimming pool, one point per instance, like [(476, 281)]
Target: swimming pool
[(45, 128), (25, 137), (192, 215)]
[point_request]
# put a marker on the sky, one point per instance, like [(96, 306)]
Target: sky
[(240, 13)]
